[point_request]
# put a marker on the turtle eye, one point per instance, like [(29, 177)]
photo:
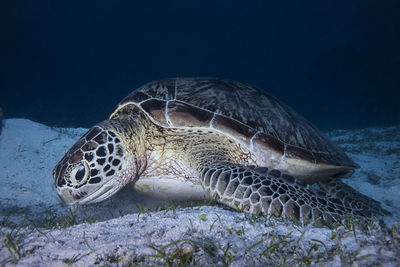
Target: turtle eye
[(81, 173)]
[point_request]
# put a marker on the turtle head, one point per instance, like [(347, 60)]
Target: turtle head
[(94, 167)]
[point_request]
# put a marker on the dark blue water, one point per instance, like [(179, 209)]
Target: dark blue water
[(68, 63)]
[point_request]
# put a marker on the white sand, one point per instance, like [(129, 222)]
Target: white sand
[(123, 235)]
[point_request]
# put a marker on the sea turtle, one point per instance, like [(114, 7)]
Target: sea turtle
[(244, 147)]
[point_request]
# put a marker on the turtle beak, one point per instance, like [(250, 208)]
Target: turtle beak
[(71, 197), (101, 194), (66, 196)]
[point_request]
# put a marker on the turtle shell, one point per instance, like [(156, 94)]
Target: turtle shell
[(244, 112)]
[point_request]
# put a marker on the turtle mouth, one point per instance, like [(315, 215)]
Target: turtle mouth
[(105, 191), (99, 195)]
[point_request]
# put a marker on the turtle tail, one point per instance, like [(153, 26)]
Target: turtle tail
[(270, 192)]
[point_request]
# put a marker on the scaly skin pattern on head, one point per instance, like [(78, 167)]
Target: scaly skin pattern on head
[(122, 150), (101, 162)]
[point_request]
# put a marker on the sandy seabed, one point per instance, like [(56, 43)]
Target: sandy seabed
[(131, 229)]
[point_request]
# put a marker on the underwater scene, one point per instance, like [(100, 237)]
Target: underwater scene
[(212, 133)]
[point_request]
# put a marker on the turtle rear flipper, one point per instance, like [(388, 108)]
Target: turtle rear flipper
[(273, 193)]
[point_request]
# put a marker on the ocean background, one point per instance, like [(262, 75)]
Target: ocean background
[(68, 63)]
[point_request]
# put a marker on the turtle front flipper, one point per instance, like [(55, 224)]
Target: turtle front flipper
[(352, 198), (270, 192)]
